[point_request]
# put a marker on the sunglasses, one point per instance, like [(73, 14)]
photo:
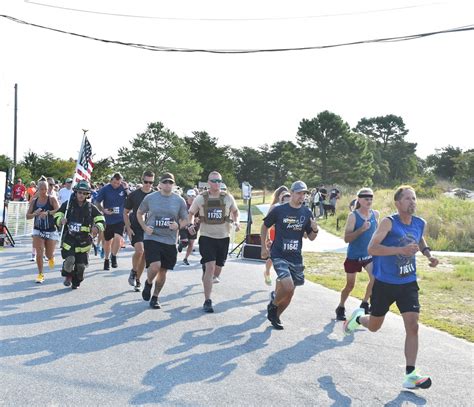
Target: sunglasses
[(82, 193), (168, 181), (215, 181), (148, 182)]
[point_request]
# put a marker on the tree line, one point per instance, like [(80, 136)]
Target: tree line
[(326, 151)]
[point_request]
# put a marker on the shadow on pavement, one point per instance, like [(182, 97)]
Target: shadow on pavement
[(303, 350), (326, 383), (211, 366), (405, 397)]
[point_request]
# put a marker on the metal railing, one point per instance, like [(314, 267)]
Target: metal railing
[(16, 220)]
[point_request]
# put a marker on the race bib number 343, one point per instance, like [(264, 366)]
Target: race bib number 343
[(290, 245)]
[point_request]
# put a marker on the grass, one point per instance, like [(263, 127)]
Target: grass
[(445, 292)]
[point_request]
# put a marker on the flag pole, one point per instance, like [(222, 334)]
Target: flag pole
[(73, 181)]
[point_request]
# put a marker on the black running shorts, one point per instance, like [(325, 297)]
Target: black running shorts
[(111, 230), (213, 250), (385, 294), (137, 234), (166, 254)]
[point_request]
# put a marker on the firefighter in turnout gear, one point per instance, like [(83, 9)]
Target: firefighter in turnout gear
[(80, 218)]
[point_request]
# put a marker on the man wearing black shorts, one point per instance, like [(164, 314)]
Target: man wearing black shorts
[(110, 200), (217, 212), (394, 245), (166, 212), (134, 230), (292, 220)]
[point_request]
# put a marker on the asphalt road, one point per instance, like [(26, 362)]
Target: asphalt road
[(101, 345)]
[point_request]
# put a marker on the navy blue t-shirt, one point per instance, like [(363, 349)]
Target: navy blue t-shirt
[(290, 225), (113, 199)]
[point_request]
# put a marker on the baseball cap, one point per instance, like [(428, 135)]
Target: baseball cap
[(191, 192), (68, 180), (167, 176), (223, 187), (299, 186)]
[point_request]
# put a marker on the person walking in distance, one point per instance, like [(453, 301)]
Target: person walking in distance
[(280, 196), (165, 212), (360, 226), (217, 213), (134, 230), (44, 234), (80, 220), (187, 239), (110, 201), (394, 245), (291, 222)]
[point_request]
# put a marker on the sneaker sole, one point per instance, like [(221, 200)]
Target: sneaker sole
[(424, 385)]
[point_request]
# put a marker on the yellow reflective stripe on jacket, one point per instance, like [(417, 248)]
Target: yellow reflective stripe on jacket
[(100, 226), (66, 246), (99, 218), (58, 216), (84, 249), (85, 229)]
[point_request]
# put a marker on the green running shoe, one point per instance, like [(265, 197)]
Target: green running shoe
[(415, 380), (351, 324)]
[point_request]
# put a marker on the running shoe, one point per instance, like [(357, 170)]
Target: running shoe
[(40, 278), (351, 325), (132, 277), (67, 281), (216, 280), (180, 247), (365, 306), (74, 286), (114, 261), (102, 252), (185, 262), (33, 257), (106, 264), (268, 278), (146, 293), (137, 285), (207, 306), (154, 303), (272, 316), (415, 380), (340, 313), (272, 295), (51, 263)]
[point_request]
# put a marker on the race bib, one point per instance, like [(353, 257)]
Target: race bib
[(290, 245), (365, 258), (215, 213), (74, 227), (116, 210), (45, 235), (406, 269), (162, 222)]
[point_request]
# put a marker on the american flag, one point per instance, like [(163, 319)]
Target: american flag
[(84, 165)]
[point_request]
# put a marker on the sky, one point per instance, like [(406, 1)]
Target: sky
[(66, 83)]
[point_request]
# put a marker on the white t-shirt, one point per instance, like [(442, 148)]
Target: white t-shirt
[(64, 195)]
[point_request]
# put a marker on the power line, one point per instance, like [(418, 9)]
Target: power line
[(246, 51), (230, 19)]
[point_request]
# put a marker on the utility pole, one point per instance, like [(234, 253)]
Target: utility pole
[(15, 133)]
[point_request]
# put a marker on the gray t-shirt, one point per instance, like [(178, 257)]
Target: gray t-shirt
[(160, 210)]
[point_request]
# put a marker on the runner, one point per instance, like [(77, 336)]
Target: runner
[(291, 222), (110, 201), (166, 212), (19, 191), (134, 230), (187, 239), (79, 219), (217, 213), (31, 191), (44, 233), (394, 245), (280, 196), (360, 226)]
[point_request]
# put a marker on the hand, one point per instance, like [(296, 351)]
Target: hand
[(95, 231), (409, 250), (148, 230), (366, 225), (314, 224), (108, 211), (43, 214), (433, 261), (130, 231), (38, 211), (125, 184), (63, 221), (191, 229), (237, 226), (173, 225), (264, 253)]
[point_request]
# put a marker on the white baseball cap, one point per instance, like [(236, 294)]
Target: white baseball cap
[(191, 192)]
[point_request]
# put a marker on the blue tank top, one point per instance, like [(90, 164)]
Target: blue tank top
[(357, 249), (399, 269), (44, 224)]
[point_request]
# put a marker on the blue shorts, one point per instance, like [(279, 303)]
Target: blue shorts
[(285, 269)]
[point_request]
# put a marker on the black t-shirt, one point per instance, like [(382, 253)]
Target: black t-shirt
[(133, 203), (290, 225)]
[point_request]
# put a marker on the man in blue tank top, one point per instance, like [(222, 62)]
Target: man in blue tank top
[(394, 245), (360, 226)]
